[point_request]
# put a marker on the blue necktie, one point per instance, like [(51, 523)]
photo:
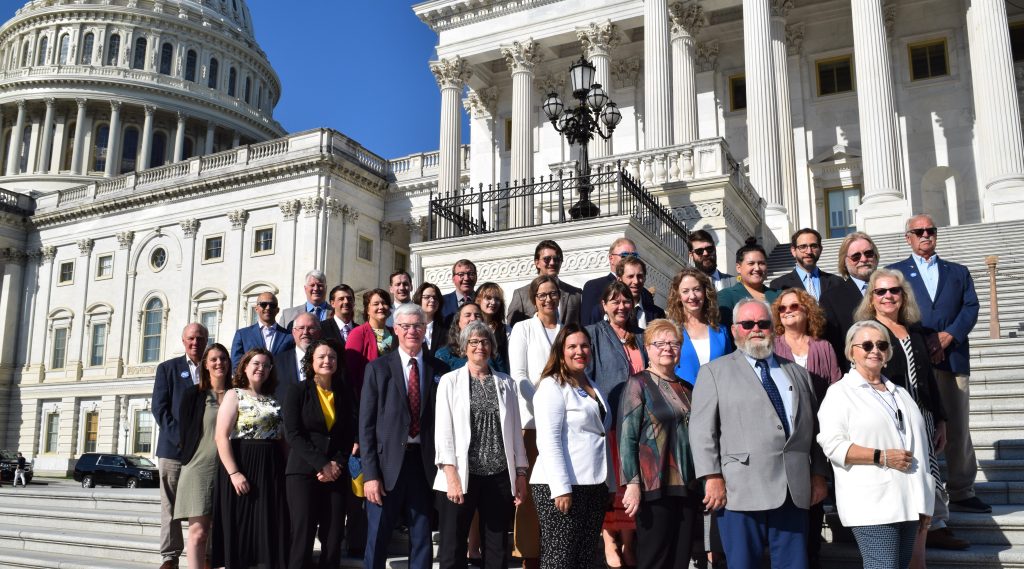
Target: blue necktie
[(773, 394)]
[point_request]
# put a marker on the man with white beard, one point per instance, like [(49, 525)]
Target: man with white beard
[(752, 434)]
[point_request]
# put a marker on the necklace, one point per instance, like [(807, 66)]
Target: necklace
[(897, 414)]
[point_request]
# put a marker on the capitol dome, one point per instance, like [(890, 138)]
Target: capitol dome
[(151, 82)]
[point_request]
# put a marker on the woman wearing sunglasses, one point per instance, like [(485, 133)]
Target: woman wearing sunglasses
[(890, 301), (875, 436), (799, 325)]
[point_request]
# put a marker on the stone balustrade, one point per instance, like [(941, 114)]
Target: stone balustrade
[(423, 165)]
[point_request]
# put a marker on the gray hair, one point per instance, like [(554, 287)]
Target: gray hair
[(745, 301), (409, 309), (198, 326), (913, 218), (317, 274), (476, 328), (857, 327)]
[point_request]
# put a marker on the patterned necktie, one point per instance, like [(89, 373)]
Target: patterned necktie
[(345, 330), (414, 398), (809, 286), (773, 394)]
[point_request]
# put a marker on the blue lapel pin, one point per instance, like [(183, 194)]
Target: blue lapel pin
[(185, 374)]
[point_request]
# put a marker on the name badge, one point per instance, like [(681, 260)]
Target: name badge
[(582, 392)]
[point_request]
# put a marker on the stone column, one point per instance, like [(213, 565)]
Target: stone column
[(657, 76), (10, 304), (113, 140), (762, 112), (77, 157), (14, 152), (46, 147), (598, 40), (522, 58), (1001, 171), (179, 138), (883, 208), (787, 157), (687, 21), (451, 76), (147, 137), (236, 139), (210, 131)]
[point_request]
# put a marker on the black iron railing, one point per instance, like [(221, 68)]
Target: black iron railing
[(510, 206)]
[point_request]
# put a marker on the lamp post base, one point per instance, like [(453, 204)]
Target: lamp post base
[(584, 209)]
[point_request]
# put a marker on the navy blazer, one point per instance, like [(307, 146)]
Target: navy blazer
[(608, 367), (792, 280), (689, 365), (384, 418), (173, 379), (954, 310), (449, 307), (251, 337), (287, 372), (590, 307)]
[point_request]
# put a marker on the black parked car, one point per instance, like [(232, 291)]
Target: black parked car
[(116, 470), (8, 463)]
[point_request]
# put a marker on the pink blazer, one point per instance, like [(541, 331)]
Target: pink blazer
[(360, 350)]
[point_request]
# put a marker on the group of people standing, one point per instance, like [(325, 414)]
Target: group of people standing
[(583, 419)]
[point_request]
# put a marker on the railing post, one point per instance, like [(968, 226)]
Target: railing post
[(430, 218), (480, 206), (993, 320)]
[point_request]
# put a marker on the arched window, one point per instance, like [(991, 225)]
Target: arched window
[(152, 330), (44, 43), (214, 70), (25, 55), (129, 149), (190, 65), (113, 47), (87, 46), (65, 47), (248, 89), (26, 143), (166, 58), (101, 139), (158, 152), (139, 57), (232, 80)]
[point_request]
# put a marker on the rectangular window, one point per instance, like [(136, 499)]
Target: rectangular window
[(213, 249), (928, 60), (60, 346), (92, 431), (842, 211), (401, 261), (104, 266), (66, 274), (142, 442), (263, 240), (1017, 41), (52, 432), (99, 344), (835, 75), (209, 319), (366, 248), (738, 93)]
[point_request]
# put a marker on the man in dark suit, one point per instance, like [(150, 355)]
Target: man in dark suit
[(547, 257), (590, 305), (305, 331), (396, 440), (858, 258), (315, 288), (343, 301), (266, 333), (805, 246), (464, 278), (949, 306), (173, 378), (704, 254)]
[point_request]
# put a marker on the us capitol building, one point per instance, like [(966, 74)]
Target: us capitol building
[(146, 184)]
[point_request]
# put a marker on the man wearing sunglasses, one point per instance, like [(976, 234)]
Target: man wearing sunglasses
[(265, 333), (949, 305), (622, 248), (547, 257), (805, 246), (858, 258), (704, 255), (758, 456)]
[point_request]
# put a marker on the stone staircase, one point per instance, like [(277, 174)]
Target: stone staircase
[(997, 395)]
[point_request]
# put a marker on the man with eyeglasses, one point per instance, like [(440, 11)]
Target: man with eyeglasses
[(547, 257), (805, 246), (288, 364), (343, 303), (464, 278), (949, 305), (265, 333), (316, 299), (590, 305), (858, 258), (632, 272), (758, 455), (704, 255)]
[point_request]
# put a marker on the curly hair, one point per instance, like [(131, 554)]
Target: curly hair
[(307, 358), (241, 380), (709, 313), (815, 315)]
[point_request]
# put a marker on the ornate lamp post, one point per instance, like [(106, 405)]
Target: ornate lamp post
[(581, 123)]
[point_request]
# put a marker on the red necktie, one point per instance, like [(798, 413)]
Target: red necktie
[(414, 398)]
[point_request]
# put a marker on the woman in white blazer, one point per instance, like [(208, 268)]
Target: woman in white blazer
[(569, 480), (529, 346), (875, 436), (478, 446)]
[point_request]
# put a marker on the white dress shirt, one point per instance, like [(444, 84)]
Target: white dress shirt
[(193, 369)]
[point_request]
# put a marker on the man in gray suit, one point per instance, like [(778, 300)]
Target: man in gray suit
[(752, 433), (547, 257), (316, 300)]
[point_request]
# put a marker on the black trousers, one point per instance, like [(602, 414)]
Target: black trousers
[(492, 497), (665, 531), (355, 520), (312, 505)]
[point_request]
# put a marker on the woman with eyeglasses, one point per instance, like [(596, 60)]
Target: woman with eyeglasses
[(452, 353), (429, 297), (661, 490), (370, 340), (875, 436), (693, 306), (491, 299), (890, 301), (751, 272), (617, 353)]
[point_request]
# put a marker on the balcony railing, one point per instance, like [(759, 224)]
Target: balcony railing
[(512, 207)]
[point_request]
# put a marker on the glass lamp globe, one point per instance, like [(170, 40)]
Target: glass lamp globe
[(597, 96), (553, 106), (582, 74)]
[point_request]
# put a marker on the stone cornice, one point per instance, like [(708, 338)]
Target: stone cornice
[(443, 15)]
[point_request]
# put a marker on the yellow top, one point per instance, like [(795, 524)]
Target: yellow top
[(327, 404)]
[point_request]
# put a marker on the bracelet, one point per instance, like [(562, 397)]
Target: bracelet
[(234, 473), (878, 456)]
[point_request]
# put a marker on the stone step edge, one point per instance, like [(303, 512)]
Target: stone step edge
[(147, 545), (41, 560), (88, 515)]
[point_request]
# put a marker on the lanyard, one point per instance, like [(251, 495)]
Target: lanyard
[(896, 414)]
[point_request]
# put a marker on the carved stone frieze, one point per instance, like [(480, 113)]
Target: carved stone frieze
[(48, 252), (687, 19), (451, 73), (85, 246), (290, 209), (481, 103), (626, 72), (238, 218), (125, 238), (599, 38), (795, 38), (189, 227), (781, 8), (691, 212), (333, 206), (707, 55), (311, 205), (547, 83), (522, 55)]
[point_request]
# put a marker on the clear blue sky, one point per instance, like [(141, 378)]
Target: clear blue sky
[(358, 66)]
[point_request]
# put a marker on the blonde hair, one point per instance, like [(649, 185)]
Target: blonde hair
[(909, 312)]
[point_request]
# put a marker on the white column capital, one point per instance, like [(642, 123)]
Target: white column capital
[(687, 19), (189, 227), (149, 110), (707, 55), (115, 106), (599, 38), (181, 117), (522, 56), (21, 105), (85, 246), (50, 102), (451, 73), (795, 38), (125, 238), (481, 103), (81, 103)]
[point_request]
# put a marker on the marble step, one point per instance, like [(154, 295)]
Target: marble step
[(138, 501), (998, 445), (1000, 493), (847, 556), (85, 544), (1004, 526), (15, 559), (100, 521)]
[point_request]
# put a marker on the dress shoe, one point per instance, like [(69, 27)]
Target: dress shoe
[(169, 564), (943, 538), (972, 505)]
